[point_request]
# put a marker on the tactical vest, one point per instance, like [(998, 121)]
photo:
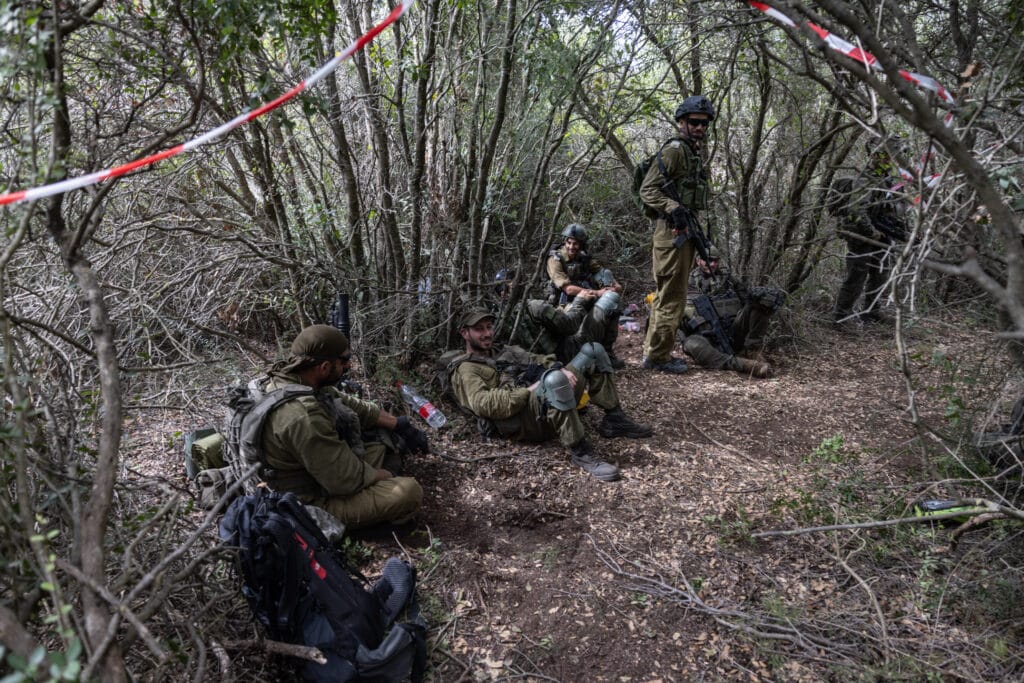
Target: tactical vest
[(514, 366), (691, 190), (248, 410), (578, 272)]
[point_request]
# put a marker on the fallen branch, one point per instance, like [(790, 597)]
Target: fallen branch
[(982, 507), (278, 648)]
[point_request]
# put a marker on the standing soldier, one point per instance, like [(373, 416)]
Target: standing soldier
[(673, 191), (873, 210)]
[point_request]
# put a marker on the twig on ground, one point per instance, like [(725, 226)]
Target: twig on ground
[(278, 648)]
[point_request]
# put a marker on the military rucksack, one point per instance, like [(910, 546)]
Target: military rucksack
[(301, 590), (643, 167)]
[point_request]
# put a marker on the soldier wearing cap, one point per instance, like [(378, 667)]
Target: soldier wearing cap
[(582, 303), (529, 397), (333, 450)]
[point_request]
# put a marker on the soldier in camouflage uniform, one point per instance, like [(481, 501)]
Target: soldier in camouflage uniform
[(529, 397), (319, 446), (875, 211), (744, 314), (674, 188), (582, 302)]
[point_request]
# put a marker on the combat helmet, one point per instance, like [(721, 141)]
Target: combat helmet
[(577, 232), (696, 104)]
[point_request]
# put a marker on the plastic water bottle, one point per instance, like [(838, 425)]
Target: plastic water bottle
[(434, 417)]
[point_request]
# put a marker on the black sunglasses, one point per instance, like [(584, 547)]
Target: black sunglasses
[(699, 123)]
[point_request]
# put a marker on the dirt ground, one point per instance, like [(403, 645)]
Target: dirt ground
[(531, 570)]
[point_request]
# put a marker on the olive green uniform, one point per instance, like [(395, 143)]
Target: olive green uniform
[(578, 321), (745, 316), (313, 448), (671, 266), (486, 387), (867, 270)]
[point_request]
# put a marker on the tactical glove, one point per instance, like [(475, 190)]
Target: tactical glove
[(682, 219), (415, 439)]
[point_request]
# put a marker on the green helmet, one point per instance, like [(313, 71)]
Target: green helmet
[(577, 232), (696, 104), (556, 390)]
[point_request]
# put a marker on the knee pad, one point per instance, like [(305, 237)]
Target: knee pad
[(592, 356), (604, 277), (556, 390), (608, 303), (694, 344)]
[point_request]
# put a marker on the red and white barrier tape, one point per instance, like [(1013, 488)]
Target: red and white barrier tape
[(853, 52), (100, 176)]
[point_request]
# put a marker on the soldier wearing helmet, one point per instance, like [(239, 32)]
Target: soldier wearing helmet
[(674, 188), (529, 397), (333, 450), (582, 303), (873, 210)]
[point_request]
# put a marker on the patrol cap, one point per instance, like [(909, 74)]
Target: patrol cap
[(321, 342), (473, 316)]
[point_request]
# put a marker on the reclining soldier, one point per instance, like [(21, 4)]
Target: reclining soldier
[(743, 314), (529, 397), (319, 445), (582, 303)]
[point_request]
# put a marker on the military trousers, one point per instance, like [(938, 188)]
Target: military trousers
[(671, 269), (580, 322), (390, 500), (747, 331), (865, 265), (540, 422)]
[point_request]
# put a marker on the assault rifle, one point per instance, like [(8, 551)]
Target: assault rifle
[(706, 309), (891, 227), (686, 223)]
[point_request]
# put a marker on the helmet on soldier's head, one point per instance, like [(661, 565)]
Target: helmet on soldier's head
[(713, 253), (322, 342), (695, 104), (556, 390), (577, 232)]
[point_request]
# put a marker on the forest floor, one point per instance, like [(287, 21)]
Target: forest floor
[(531, 570)]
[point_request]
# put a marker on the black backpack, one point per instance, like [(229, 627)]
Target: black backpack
[(301, 590)]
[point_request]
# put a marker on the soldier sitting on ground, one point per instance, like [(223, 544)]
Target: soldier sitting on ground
[(743, 314), (529, 397), (582, 303), (333, 450)]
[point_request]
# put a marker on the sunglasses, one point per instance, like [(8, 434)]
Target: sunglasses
[(699, 123)]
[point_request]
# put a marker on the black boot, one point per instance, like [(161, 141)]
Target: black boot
[(617, 423), (583, 456)]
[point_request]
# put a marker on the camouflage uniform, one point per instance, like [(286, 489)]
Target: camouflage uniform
[(671, 266), (744, 313), (494, 389), (873, 203), (314, 447), (569, 322)]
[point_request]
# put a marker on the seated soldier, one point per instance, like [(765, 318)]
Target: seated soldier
[(743, 313), (528, 397), (319, 445), (583, 299)]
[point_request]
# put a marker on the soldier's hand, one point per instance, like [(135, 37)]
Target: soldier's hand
[(681, 217), (571, 376), (381, 475), (415, 438)]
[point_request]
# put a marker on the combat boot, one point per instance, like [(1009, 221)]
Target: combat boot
[(753, 368), (617, 363), (616, 423), (583, 456)]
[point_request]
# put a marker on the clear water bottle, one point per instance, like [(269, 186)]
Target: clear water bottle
[(434, 417)]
